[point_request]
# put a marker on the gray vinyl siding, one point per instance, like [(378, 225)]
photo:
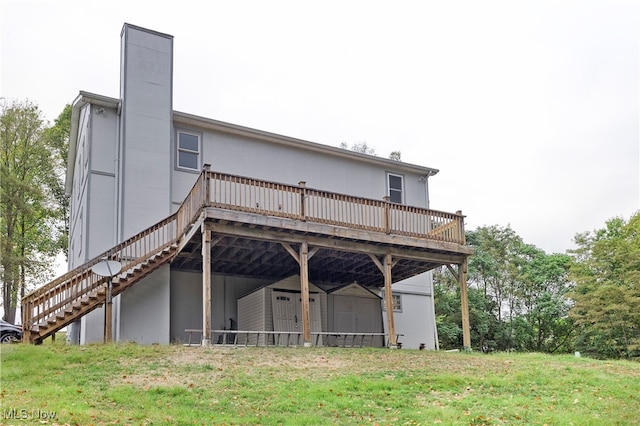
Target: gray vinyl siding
[(244, 156), (252, 313)]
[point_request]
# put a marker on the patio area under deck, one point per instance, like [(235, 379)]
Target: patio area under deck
[(263, 229)]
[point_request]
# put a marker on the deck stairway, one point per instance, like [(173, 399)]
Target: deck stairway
[(78, 292)]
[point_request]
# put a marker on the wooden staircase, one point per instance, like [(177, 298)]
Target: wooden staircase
[(78, 292)]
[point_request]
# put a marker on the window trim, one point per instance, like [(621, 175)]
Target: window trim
[(402, 190), (179, 150)]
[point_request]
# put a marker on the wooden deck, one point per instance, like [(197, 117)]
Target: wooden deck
[(243, 226)]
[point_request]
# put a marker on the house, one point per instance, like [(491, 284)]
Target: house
[(200, 213)]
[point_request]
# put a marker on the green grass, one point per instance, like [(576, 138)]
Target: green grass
[(132, 384)]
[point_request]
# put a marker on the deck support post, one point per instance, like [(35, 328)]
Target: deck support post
[(385, 267), (464, 305), (388, 300), (304, 290), (206, 286), (108, 313)]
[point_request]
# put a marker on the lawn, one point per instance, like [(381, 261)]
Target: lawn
[(132, 384)]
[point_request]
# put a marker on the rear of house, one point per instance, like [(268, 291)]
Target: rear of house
[(132, 162)]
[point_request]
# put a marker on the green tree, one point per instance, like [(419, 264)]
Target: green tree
[(30, 213), (545, 280), (483, 324), (606, 270), (360, 147), (58, 139), (517, 295)]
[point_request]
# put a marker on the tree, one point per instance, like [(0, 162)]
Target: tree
[(517, 295), (606, 270), (544, 297), (449, 317), (360, 147), (30, 187), (58, 139), (364, 148)]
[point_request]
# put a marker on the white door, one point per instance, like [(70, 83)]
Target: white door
[(285, 317), (314, 315), (287, 314)]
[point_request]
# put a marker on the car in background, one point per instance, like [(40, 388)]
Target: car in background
[(9, 332)]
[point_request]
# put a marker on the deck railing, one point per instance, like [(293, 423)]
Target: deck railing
[(250, 195)]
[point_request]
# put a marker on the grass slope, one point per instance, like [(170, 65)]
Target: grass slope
[(132, 384)]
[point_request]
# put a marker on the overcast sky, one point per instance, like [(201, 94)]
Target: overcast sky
[(529, 109)]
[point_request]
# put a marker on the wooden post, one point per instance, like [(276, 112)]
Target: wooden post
[(304, 285), (461, 237), (303, 192), (387, 214), (27, 311), (464, 305), (388, 300), (108, 314), (207, 185), (206, 286)]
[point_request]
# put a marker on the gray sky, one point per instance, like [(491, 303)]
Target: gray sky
[(530, 109)]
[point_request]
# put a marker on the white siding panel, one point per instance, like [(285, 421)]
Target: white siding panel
[(252, 314), (101, 233), (185, 305), (144, 309)]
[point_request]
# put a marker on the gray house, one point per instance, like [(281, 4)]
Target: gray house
[(201, 213)]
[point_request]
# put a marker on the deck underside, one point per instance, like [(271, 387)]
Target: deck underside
[(253, 245)]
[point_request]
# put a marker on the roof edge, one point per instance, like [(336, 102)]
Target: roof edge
[(208, 123)]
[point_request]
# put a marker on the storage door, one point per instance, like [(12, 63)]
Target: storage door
[(285, 317)]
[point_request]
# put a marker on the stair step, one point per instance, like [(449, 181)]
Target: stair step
[(51, 321)]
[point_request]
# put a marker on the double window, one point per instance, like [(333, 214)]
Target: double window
[(189, 147), (395, 185)]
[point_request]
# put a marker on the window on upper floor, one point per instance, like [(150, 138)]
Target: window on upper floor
[(188, 150), (395, 187)]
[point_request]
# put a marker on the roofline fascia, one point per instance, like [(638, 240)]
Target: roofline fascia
[(208, 123)]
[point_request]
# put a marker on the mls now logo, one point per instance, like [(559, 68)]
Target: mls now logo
[(23, 414)]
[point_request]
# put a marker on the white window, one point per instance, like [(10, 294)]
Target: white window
[(395, 185), (396, 302), (188, 150)]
